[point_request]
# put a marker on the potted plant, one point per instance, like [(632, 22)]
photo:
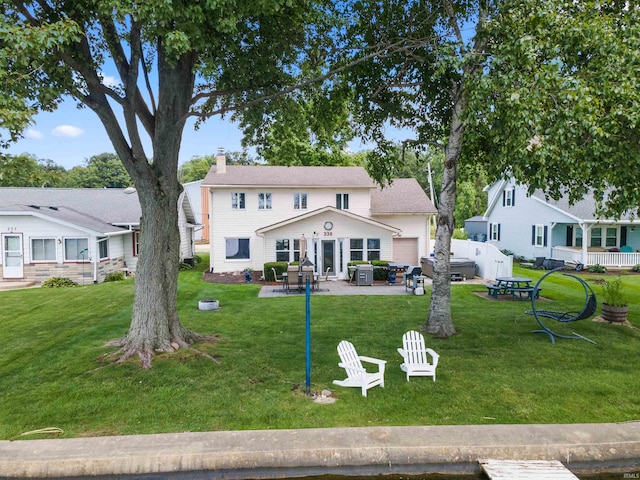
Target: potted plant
[(614, 304)]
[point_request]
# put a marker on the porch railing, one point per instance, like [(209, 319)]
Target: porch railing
[(606, 259)]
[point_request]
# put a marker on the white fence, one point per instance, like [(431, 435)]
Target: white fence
[(491, 262)]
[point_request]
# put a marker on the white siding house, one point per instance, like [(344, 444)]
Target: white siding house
[(535, 226), (81, 234), (260, 214)]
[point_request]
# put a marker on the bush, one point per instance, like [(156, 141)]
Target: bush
[(185, 266), (280, 267), (114, 277), (597, 268), (58, 282), (636, 268)]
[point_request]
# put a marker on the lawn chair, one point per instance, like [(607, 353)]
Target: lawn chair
[(416, 356), (276, 279), (357, 375)]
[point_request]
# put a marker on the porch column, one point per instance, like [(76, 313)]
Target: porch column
[(586, 239)]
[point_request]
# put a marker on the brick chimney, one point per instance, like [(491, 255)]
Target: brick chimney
[(221, 161)]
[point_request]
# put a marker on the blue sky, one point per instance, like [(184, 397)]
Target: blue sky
[(70, 136)]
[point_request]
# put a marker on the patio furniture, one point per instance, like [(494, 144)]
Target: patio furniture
[(276, 279), (357, 375), (416, 356), (587, 311)]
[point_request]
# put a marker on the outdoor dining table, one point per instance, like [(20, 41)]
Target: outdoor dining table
[(513, 286), (300, 283)]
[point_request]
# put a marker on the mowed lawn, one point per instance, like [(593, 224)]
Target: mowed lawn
[(55, 371)]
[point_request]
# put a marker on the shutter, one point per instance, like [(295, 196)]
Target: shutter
[(513, 197), (533, 234), (491, 231), (498, 232), (504, 198), (569, 239), (545, 235)]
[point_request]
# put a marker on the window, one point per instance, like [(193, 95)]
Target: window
[(578, 242), (342, 201), (612, 237), (282, 250), (237, 200), (264, 201), (43, 249), (509, 197), (356, 245), (103, 248), (373, 249), (494, 231), (300, 201), (76, 249), (237, 248), (538, 235), (136, 243), (596, 237)]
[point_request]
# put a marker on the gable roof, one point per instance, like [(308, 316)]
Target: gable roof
[(403, 196), (295, 176), (108, 210), (319, 211)]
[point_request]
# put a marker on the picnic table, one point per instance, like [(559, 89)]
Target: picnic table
[(514, 286)]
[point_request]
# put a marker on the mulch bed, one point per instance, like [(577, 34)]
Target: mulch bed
[(231, 277)]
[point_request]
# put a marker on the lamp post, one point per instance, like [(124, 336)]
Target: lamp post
[(82, 252)]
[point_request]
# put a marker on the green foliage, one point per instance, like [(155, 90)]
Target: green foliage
[(613, 293), (58, 282), (597, 268), (185, 266), (636, 268), (280, 267), (460, 234), (114, 277), (198, 167), (560, 93), (100, 171)]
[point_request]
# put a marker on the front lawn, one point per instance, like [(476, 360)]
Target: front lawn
[(53, 373)]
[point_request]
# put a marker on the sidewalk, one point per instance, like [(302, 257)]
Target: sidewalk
[(583, 448)]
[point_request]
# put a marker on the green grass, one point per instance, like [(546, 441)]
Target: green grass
[(493, 371)]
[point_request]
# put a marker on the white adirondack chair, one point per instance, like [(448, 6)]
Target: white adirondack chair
[(416, 356), (357, 375)]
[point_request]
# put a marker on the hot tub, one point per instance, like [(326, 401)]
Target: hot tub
[(462, 267)]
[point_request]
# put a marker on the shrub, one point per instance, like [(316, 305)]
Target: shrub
[(597, 268), (636, 268), (114, 277), (185, 266), (280, 267), (58, 282)]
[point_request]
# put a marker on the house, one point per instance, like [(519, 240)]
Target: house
[(331, 215), (78, 233), (535, 226), (196, 193)]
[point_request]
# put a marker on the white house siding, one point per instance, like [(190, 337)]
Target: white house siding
[(415, 227), (344, 229), (227, 222), (31, 227), (194, 193), (516, 222)]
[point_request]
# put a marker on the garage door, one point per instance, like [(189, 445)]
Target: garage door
[(405, 250)]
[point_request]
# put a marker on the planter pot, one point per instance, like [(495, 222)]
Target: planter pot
[(614, 314), (208, 305)]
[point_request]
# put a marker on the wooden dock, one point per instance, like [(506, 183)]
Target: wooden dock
[(526, 470)]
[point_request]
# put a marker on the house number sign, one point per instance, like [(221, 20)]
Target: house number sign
[(328, 226)]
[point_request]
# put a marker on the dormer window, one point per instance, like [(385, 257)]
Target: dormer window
[(509, 197)]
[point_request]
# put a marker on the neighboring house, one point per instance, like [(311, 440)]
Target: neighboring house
[(534, 226), (260, 214), (198, 200), (78, 233)]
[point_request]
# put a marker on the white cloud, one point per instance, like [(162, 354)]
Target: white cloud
[(111, 81), (33, 134), (67, 131)]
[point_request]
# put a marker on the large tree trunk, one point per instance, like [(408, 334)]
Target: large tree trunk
[(155, 325), (439, 321)]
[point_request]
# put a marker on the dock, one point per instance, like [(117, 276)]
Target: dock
[(526, 470)]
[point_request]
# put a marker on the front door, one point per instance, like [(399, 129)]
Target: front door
[(329, 256), (12, 256)]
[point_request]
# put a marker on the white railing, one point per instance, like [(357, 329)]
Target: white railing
[(490, 260), (606, 259)]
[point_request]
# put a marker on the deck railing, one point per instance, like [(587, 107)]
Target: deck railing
[(606, 259)]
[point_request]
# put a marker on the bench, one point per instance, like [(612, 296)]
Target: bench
[(530, 291), (456, 277), (494, 290)]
